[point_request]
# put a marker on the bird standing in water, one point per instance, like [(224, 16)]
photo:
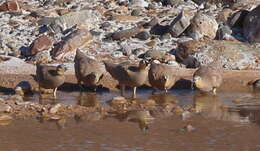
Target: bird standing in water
[(87, 70), (128, 75), (50, 77), (162, 76), (209, 78)]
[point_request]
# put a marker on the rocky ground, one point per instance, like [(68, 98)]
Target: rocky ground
[(184, 33)]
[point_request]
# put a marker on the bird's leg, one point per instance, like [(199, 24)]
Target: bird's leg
[(54, 92), (192, 85), (95, 88), (79, 84), (154, 91), (214, 91), (134, 93), (165, 91), (122, 88), (40, 92)]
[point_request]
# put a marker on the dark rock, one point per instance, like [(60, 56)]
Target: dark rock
[(170, 2), (159, 30), (23, 87), (143, 35), (105, 25), (251, 25), (237, 19)]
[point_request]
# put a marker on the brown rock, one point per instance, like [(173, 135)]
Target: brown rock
[(10, 6), (71, 43), (43, 42), (251, 26), (125, 34)]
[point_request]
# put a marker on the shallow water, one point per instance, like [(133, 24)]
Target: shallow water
[(227, 121)]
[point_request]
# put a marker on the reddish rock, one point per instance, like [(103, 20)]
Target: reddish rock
[(43, 42), (10, 6), (71, 43)]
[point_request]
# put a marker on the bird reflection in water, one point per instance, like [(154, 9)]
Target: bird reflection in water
[(142, 117), (88, 99), (213, 106), (164, 98)]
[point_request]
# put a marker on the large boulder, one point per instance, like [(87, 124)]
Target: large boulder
[(203, 25), (251, 26)]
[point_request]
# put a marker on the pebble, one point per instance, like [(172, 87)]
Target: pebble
[(189, 128), (55, 108), (118, 100), (5, 108), (185, 115)]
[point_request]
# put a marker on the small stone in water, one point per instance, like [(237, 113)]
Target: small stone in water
[(55, 108), (185, 115), (189, 128)]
